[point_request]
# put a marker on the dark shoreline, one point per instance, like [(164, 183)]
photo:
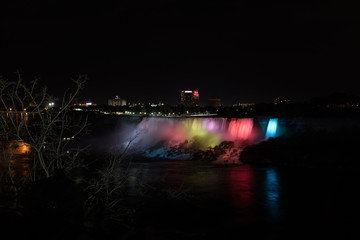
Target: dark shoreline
[(307, 148)]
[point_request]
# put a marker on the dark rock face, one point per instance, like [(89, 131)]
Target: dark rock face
[(190, 151), (214, 153), (313, 149)]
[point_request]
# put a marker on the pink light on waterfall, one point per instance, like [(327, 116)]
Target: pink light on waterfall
[(211, 125)]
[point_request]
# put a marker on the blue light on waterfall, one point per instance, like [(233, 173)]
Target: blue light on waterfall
[(272, 128)]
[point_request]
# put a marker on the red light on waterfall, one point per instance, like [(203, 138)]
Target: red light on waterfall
[(233, 128), (241, 128), (245, 128), (196, 93)]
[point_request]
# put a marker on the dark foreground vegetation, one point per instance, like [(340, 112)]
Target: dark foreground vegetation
[(90, 203), (51, 187)]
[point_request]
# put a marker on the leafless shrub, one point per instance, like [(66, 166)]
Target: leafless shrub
[(27, 118)]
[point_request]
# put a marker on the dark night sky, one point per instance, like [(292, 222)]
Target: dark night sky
[(240, 51)]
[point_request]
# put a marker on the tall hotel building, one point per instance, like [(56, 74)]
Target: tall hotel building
[(190, 98)]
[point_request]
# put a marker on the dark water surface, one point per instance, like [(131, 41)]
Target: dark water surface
[(250, 202)]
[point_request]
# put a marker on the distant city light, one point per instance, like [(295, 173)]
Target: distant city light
[(190, 98)]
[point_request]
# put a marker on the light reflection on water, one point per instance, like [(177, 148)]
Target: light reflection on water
[(23, 148), (272, 184), (248, 196), (241, 186), (272, 191), (255, 190), (19, 158), (247, 190)]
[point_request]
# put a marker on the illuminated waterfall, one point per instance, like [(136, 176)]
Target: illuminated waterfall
[(272, 128), (202, 133), (241, 128)]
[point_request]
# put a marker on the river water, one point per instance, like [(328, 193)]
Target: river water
[(253, 201)]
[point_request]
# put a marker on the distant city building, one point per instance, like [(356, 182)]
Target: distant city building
[(196, 99), (281, 101), (156, 104), (214, 102), (86, 104), (190, 98), (117, 102), (186, 96), (244, 104)]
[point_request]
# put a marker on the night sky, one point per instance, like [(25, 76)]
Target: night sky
[(148, 51)]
